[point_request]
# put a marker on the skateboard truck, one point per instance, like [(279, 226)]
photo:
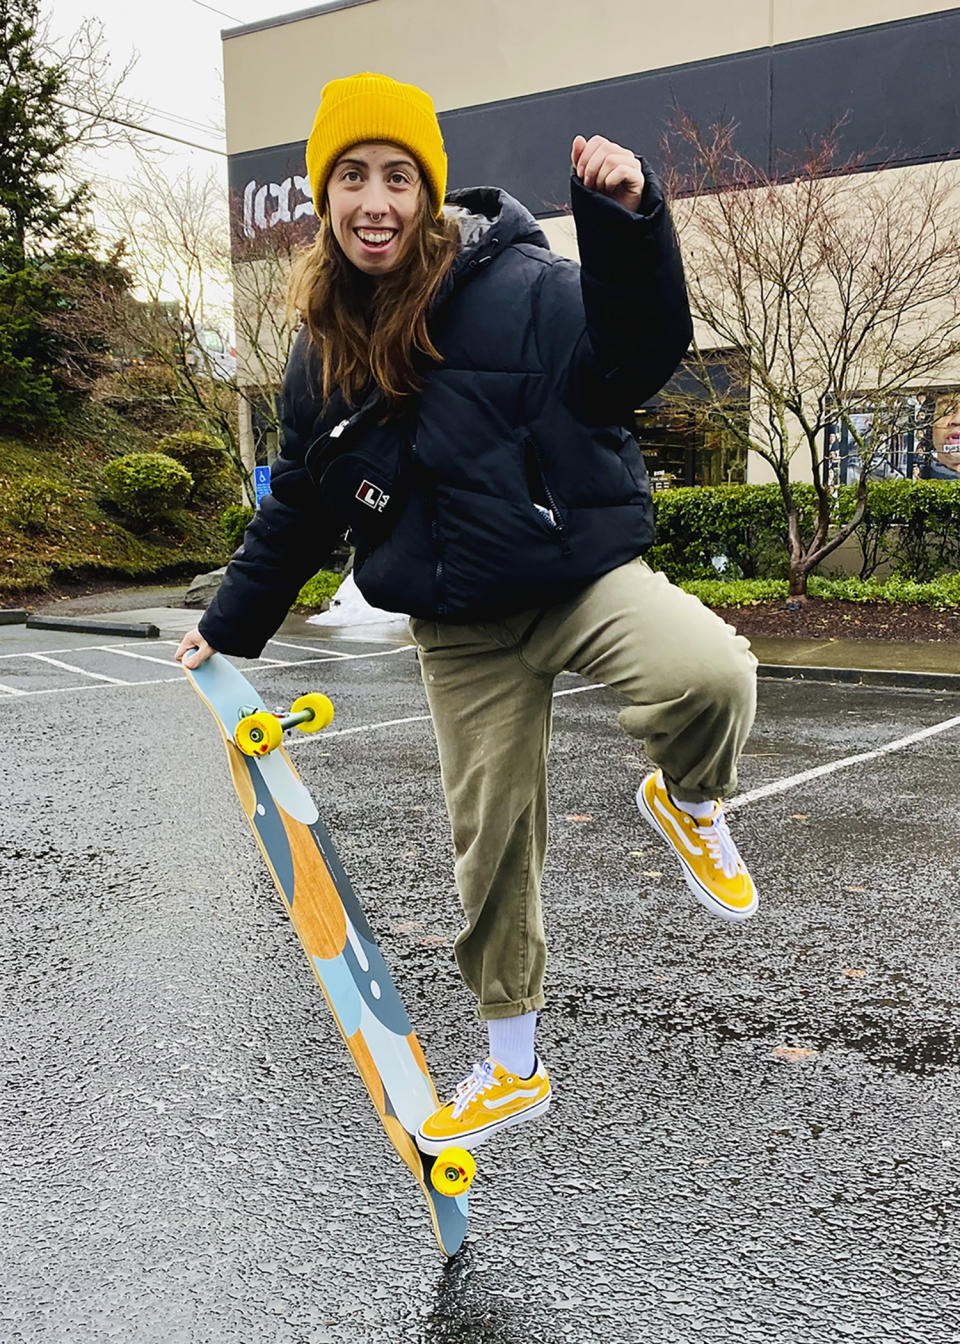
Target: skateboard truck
[(259, 732)]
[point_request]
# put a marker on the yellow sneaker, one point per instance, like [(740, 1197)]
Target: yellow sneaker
[(489, 1099), (712, 867)]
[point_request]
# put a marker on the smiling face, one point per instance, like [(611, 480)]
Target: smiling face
[(374, 200)]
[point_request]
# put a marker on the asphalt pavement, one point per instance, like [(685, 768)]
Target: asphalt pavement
[(754, 1135)]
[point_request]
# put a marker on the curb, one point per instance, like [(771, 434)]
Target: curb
[(132, 629), (863, 676), (12, 616)]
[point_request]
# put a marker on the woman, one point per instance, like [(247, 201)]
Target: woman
[(457, 396)]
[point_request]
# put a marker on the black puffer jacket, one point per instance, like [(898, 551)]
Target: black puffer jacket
[(512, 482)]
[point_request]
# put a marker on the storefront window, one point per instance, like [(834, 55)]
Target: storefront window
[(682, 441), (921, 441), (681, 449)]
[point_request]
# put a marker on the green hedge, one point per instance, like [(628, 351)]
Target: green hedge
[(915, 525), (739, 531), (200, 453)]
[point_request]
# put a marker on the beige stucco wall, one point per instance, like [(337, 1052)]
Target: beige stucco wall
[(466, 53), (902, 186)]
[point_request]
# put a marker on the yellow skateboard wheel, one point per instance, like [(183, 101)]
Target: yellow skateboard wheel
[(453, 1171), (322, 708), (258, 733)]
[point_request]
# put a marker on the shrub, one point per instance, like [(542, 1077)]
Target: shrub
[(200, 453), (34, 504), (739, 531), (940, 593), (233, 523), (320, 589), (915, 525), (146, 486), (734, 530), (736, 592)]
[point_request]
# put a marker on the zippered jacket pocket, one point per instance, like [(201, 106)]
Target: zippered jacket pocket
[(542, 498)]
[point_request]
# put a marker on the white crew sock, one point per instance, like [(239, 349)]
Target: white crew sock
[(696, 810), (511, 1043)]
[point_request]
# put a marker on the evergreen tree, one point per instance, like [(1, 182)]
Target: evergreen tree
[(35, 137)]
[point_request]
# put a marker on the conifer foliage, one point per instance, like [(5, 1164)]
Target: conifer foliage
[(35, 210), (58, 297)]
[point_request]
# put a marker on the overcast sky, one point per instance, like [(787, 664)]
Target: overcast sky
[(176, 82), (178, 73)]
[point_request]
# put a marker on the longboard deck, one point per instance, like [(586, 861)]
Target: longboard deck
[(335, 935)]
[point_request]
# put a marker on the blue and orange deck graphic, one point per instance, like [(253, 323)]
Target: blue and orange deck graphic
[(335, 935)]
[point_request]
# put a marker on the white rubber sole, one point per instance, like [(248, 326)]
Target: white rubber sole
[(474, 1138), (702, 893)]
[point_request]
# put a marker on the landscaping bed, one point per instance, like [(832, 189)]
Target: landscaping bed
[(825, 618)]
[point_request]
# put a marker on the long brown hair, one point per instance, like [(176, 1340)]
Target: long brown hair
[(367, 328)]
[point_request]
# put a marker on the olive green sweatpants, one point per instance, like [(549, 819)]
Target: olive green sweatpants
[(690, 685)]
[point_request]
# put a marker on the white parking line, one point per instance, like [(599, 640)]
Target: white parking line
[(127, 685), (141, 657), (264, 664), (72, 667), (354, 657), (90, 648), (10, 690), (308, 648), (740, 800), (318, 739), (791, 781)]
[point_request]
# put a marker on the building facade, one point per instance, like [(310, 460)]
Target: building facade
[(514, 80)]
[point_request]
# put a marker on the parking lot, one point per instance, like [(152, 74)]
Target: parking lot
[(755, 1129)]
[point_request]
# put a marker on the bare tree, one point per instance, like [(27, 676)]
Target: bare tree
[(832, 291), (178, 247), (97, 112)]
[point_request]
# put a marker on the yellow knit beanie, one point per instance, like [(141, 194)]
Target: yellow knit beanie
[(375, 107)]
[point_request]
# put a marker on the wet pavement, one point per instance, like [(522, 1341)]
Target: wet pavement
[(754, 1136), (163, 607)]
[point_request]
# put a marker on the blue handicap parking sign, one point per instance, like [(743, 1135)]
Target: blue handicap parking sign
[(261, 482)]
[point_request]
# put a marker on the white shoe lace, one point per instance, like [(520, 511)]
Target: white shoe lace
[(720, 846), (476, 1082)]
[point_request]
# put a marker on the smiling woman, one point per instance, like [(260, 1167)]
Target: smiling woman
[(365, 285), (459, 397)]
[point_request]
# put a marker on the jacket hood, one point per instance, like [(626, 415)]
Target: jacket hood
[(490, 220)]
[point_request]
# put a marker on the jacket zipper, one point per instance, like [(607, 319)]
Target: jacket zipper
[(438, 573), (558, 524)]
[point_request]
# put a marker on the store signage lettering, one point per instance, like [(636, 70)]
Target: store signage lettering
[(266, 204)]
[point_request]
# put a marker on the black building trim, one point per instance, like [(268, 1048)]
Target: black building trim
[(892, 86)]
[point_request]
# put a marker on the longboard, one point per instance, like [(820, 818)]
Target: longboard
[(335, 934)]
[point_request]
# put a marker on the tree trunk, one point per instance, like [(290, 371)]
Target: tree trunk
[(797, 590)]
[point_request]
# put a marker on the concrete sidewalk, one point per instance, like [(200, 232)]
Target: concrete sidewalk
[(921, 664)]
